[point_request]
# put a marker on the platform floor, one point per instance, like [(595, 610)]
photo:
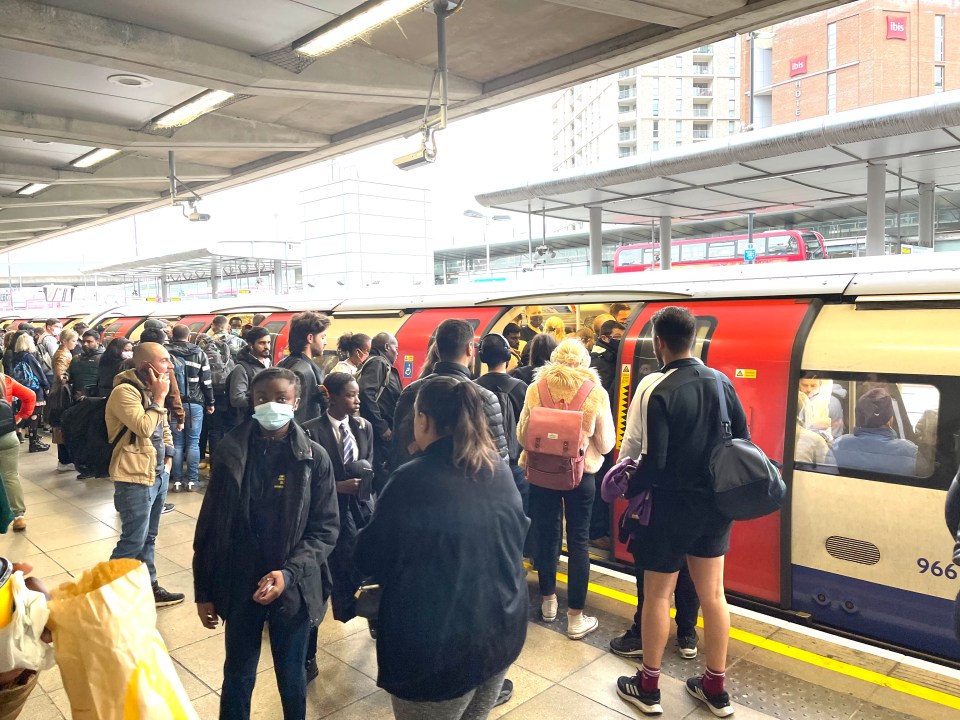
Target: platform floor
[(774, 671)]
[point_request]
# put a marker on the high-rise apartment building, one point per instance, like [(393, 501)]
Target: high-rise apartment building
[(690, 97), (851, 56)]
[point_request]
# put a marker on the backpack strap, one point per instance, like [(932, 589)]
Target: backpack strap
[(576, 402)]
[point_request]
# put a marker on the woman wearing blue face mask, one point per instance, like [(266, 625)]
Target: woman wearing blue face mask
[(268, 523)]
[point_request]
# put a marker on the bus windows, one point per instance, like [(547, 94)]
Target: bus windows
[(693, 251), (635, 256), (723, 250), (782, 245), (812, 246)]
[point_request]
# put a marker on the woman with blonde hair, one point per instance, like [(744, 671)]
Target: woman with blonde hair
[(28, 372), (568, 370), (61, 387), (554, 326)]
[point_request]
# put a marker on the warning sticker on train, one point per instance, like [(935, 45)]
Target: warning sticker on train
[(746, 374)]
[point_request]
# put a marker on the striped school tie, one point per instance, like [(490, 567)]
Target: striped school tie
[(346, 442)]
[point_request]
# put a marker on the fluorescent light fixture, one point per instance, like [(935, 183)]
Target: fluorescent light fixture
[(346, 28), (94, 157), (32, 188), (192, 109)]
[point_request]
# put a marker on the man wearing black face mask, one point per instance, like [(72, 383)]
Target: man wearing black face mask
[(534, 323), (603, 357)]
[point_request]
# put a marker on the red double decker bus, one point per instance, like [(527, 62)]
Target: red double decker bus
[(777, 246)]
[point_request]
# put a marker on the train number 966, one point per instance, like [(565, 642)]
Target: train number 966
[(936, 569)]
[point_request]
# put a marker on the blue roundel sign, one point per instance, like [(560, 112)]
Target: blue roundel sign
[(750, 253)]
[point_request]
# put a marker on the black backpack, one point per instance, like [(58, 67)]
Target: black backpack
[(84, 427), (502, 391)]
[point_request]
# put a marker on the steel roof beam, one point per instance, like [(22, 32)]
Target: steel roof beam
[(80, 195), (358, 73), (16, 229), (211, 132), (68, 212), (125, 169)]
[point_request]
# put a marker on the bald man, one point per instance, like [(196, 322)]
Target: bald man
[(142, 456)]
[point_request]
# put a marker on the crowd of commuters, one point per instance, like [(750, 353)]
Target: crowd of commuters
[(322, 482)]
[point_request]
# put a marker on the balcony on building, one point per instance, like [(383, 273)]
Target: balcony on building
[(627, 73), (702, 68), (701, 109), (627, 93), (628, 136), (626, 110), (702, 89), (701, 131), (703, 50), (626, 151)]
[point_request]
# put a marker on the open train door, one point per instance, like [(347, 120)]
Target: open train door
[(753, 342)]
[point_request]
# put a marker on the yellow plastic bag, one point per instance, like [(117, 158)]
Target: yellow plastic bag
[(112, 659)]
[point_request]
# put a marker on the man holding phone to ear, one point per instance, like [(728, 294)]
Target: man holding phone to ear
[(142, 457)]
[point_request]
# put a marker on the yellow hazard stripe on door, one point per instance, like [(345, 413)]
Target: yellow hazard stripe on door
[(623, 402)]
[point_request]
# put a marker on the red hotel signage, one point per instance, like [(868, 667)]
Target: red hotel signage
[(798, 66), (896, 27)]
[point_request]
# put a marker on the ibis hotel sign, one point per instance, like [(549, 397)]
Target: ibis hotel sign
[(798, 66), (896, 27)]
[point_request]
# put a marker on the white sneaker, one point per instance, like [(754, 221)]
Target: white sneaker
[(548, 609), (579, 626), (64, 467)]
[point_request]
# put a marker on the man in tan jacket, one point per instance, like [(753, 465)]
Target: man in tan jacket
[(141, 460)]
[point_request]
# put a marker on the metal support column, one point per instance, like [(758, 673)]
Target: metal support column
[(214, 278), (927, 217), (666, 229), (164, 292), (596, 240), (876, 208), (278, 276)]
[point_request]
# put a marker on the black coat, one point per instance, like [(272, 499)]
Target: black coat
[(403, 417), (311, 377), (238, 385), (377, 372), (354, 513), (447, 551), (223, 547), (603, 358)]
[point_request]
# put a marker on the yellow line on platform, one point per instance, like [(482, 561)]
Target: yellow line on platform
[(805, 656)]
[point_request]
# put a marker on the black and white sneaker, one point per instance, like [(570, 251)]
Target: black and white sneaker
[(687, 646), (165, 598), (628, 645), (506, 692), (630, 690), (167, 508), (718, 704)]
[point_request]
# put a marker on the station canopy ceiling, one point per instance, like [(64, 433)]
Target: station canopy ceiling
[(83, 75), (812, 169)]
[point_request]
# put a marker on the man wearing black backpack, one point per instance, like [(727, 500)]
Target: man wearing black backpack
[(671, 434), (197, 397), (308, 338), (495, 352), (137, 427), (221, 349)]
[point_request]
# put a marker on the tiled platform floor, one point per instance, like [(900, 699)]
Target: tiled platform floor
[(72, 525)]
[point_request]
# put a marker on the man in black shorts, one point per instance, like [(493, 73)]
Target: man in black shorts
[(681, 427)]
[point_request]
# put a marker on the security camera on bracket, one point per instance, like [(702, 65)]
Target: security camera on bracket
[(190, 200)]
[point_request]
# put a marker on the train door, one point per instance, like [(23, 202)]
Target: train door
[(878, 442), (121, 327), (414, 336), (752, 342), (196, 323)]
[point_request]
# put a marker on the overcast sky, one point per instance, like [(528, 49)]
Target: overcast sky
[(493, 150)]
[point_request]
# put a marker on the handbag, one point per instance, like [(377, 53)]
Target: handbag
[(746, 484)]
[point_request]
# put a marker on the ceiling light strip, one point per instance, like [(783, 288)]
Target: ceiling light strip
[(193, 108), (349, 26), (32, 188), (94, 157)]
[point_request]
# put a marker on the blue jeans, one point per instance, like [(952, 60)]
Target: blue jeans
[(547, 509), (139, 507), (187, 442), (288, 644)]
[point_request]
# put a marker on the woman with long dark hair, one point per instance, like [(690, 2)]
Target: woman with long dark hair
[(540, 349), (445, 543), (111, 362)]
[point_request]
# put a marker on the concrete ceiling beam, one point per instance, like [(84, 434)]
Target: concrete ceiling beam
[(125, 169), (79, 195), (642, 11), (40, 226), (363, 74), (211, 132), (68, 212)]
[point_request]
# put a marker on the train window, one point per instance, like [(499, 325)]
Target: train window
[(645, 361), (867, 426), (274, 327), (109, 332), (195, 327)]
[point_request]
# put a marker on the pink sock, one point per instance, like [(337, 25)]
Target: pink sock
[(649, 678), (713, 681)]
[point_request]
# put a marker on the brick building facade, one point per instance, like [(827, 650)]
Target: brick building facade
[(852, 56)]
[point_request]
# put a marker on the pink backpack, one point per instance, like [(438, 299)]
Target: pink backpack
[(554, 445)]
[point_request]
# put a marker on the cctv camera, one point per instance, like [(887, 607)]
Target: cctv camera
[(421, 157), (195, 216), (542, 250)]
